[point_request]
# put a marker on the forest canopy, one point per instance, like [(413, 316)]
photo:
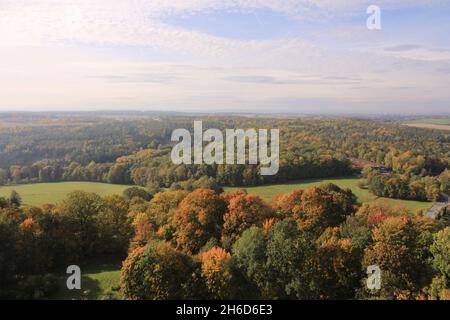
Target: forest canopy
[(137, 150)]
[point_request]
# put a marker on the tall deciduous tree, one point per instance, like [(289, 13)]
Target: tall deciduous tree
[(440, 249), (81, 209), (244, 211), (398, 250), (198, 219), (218, 273), (159, 272)]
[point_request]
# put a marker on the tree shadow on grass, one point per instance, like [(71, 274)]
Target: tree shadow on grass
[(90, 290), (98, 281)]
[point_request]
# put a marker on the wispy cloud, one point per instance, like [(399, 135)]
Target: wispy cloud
[(418, 53), (75, 53), (403, 47), (266, 80), (135, 78)]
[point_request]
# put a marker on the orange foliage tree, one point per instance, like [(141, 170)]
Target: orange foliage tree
[(244, 211), (198, 219), (317, 208), (338, 264), (161, 210), (398, 249), (217, 273), (159, 272)]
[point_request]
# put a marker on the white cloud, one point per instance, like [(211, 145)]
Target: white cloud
[(131, 22), (49, 58), (418, 53)]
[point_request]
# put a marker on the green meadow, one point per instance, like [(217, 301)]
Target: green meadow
[(267, 192), (98, 282), (37, 194), (40, 193)]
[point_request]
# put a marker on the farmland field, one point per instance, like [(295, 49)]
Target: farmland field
[(268, 191), (438, 123), (443, 121), (39, 193)]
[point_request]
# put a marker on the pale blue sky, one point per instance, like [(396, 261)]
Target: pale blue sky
[(304, 56)]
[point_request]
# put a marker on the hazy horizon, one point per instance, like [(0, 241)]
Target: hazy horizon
[(268, 57)]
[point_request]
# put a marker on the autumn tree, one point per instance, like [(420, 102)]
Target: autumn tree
[(444, 180), (400, 252), (440, 249), (31, 258), (113, 225), (317, 208), (162, 207), (143, 229), (159, 272), (244, 211), (198, 219), (339, 265), (358, 228), (153, 219), (218, 273), (286, 204)]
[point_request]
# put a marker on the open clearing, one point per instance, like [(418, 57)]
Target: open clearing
[(37, 194), (267, 192)]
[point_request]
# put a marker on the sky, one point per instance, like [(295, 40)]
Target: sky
[(296, 56)]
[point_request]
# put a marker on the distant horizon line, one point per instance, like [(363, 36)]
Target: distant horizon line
[(198, 112)]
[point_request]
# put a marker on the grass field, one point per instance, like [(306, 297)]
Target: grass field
[(39, 193), (267, 192), (97, 282)]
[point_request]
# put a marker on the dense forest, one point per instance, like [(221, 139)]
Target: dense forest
[(136, 150), (402, 186), (181, 237), (309, 244)]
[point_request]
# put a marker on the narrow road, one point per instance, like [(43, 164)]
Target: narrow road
[(438, 206)]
